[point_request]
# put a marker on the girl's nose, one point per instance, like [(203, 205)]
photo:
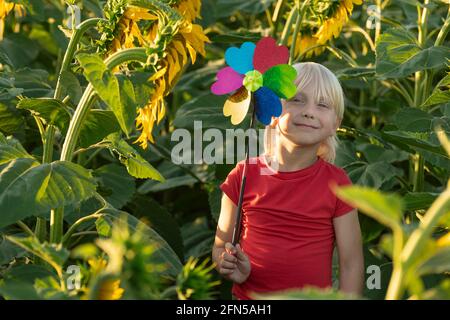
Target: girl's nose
[(306, 114), (306, 111)]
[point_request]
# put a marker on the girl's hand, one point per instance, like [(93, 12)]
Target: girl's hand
[(234, 264)]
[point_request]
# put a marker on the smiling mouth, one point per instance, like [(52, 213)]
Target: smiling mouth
[(305, 125)]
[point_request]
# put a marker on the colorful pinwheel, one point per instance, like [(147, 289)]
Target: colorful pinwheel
[(256, 70)]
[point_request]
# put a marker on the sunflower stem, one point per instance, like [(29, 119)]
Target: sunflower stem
[(444, 30), (68, 57), (75, 226), (287, 27), (49, 136), (25, 228), (134, 54), (419, 94), (298, 22)]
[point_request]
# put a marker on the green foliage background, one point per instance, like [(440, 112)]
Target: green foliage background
[(395, 79)]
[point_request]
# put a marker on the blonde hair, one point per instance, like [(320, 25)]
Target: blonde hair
[(327, 88)]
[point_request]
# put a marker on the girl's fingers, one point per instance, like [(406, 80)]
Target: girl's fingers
[(228, 265), (228, 257), (240, 254), (230, 249), (226, 271), (235, 252)]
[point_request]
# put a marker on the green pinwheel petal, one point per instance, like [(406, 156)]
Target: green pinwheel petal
[(280, 79)]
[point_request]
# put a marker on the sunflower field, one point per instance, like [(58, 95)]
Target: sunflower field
[(91, 91)]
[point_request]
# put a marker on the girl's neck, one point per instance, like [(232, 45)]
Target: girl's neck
[(292, 157)]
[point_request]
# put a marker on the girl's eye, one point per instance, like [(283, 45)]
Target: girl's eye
[(323, 105)]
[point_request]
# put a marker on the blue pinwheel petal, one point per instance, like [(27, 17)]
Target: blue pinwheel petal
[(241, 59), (267, 105)]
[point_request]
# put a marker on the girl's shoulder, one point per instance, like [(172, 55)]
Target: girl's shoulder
[(327, 170), (335, 172), (252, 161), (334, 168), (255, 166)]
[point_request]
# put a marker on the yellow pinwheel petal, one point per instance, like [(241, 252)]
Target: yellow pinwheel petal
[(237, 106)]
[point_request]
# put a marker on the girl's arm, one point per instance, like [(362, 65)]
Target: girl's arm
[(351, 259), (225, 225), (231, 262)]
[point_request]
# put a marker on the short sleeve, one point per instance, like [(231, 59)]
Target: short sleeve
[(342, 207), (232, 183)]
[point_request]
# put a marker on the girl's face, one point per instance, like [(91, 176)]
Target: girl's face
[(306, 122)]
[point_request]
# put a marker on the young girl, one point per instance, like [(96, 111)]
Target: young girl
[(291, 219)]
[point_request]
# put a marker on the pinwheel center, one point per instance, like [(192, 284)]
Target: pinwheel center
[(253, 80)]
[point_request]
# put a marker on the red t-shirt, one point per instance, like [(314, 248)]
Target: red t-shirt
[(287, 224)]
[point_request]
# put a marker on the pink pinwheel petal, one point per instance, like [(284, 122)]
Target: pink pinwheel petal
[(228, 81), (269, 54)]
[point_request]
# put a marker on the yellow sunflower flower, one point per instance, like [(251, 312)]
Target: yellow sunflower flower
[(5, 9), (304, 43), (110, 290), (332, 26), (190, 9), (96, 265), (190, 40), (129, 30)]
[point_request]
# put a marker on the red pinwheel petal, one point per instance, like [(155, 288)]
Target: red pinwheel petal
[(269, 54)]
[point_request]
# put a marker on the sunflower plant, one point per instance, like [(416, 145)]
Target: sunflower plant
[(10, 8), (311, 25), (422, 251), (131, 62), (152, 55)]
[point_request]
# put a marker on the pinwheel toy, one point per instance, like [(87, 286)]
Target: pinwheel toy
[(257, 75)]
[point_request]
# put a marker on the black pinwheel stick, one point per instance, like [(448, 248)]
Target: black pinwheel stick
[(238, 223)]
